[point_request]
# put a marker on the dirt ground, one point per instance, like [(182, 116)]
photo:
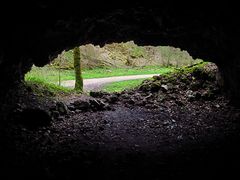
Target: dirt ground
[(130, 135)]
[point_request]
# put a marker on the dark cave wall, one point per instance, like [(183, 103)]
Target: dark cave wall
[(39, 31)]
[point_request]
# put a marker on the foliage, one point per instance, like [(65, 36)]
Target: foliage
[(181, 73), (137, 52), (48, 74), (43, 88), (122, 85), (125, 54)]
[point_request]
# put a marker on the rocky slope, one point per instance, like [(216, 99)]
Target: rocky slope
[(174, 126), (126, 54)]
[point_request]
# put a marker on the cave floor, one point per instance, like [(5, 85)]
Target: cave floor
[(129, 142)]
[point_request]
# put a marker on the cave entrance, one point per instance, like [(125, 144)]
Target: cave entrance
[(170, 119), (111, 68)]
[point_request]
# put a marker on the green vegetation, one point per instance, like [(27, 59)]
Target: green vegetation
[(188, 75), (122, 85), (46, 78), (50, 74), (116, 59), (42, 80), (111, 72), (137, 52), (42, 88), (186, 70), (125, 54)]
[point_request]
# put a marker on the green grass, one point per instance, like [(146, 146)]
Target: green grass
[(42, 88), (48, 74), (44, 81), (122, 85), (51, 75)]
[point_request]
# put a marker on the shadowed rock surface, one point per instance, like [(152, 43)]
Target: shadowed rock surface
[(152, 132), (170, 141), (205, 31)]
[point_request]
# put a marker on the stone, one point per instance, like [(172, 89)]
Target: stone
[(207, 95), (144, 87), (190, 95), (157, 77), (141, 103), (164, 87), (148, 96), (170, 86), (55, 114), (71, 107), (125, 96), (195, 86), (155, 86), (161, 97), (179, 103), (131, 101), (97, 104), (78, 111), (113, 98), (217, 106), (81, 105), (62, 108), (108, 107)]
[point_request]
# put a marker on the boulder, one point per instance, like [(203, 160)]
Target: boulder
[(97, 105), (155, 86), (190, 95), (61, 108), (81, 105), (164, 87), (113, 98)]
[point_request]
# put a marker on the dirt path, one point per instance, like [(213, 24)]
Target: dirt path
[(98, 83), (129, 142)]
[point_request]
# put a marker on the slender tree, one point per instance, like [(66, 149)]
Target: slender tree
[(78, 70)]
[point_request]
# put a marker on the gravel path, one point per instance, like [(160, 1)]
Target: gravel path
[(98, 83)]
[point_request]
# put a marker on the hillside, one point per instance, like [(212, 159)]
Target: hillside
[(125, 55)]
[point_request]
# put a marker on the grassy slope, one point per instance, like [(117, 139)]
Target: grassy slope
[(42, 88)]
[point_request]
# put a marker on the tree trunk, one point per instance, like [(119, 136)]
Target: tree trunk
[(78, 70)]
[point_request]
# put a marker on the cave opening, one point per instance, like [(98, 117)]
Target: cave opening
[(171, 122), (171, 126), (114, 62)]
